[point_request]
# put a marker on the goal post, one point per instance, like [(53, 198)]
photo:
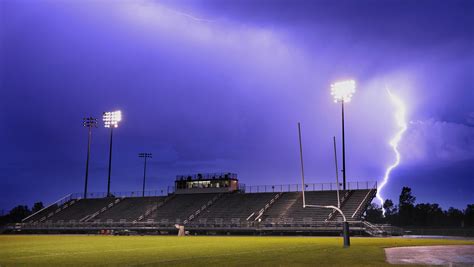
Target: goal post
[(345, 224)]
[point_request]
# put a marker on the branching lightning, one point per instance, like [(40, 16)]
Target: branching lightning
[(402, 124)]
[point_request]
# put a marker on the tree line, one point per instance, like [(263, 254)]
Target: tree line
[(20, 212), (408, 213)]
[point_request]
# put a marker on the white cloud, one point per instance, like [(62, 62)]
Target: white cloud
[(437, 142)]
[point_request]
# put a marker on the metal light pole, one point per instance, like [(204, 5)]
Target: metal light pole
[(342, 92), (337, 173), (145, 156), (111, 120), (88, 123)]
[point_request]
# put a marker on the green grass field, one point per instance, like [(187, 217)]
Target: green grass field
[(199, 250)]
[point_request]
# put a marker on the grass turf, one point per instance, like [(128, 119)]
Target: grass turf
[(200, 250)]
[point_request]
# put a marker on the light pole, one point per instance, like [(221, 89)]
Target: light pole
[(342, 93), (111, 120), (89, 123), (145, 156)]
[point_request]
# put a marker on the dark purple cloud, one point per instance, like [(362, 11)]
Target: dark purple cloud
[(219, 86)]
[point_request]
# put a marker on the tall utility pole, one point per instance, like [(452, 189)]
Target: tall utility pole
[(145, 156), (337, 173), (342, 92), (89, 123), (111, 120), (343, 149)]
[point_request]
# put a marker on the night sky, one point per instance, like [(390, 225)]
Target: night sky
[(211, 86)]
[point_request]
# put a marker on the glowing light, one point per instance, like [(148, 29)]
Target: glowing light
[(402, 124), (343, 91), (111, 119)]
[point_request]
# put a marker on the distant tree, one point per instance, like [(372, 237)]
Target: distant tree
[(37, 207), (423, 214), (373, 214), (469, 215), (389, 207), (406, 197), (454, 217), (426, 214), (406, 206), (391, 212), (18, 213)]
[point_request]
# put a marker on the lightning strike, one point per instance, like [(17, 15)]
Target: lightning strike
[(402, 124)]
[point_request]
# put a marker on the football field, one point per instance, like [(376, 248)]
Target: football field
[(200, 250)]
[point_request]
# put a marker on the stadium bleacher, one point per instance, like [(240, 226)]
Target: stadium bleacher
[(178, 209), (226, 210), (81, 209), (234, 207), (129, 209)]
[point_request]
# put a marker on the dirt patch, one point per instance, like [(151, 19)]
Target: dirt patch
[(432, 255)]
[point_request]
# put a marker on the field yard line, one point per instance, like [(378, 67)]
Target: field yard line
[(87, 252), (225, 254)]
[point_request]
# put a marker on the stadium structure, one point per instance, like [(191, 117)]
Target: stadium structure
[(214, 203)]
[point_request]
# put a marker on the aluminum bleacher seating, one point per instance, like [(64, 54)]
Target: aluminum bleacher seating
[(129, 209)]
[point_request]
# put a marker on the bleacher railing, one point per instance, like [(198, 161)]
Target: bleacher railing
[(58, 203), (216, 224), (150, 193), (309, 187), (242, 187), (207, 176)]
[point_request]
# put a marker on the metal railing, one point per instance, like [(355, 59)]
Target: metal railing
[(207, 176), (217, 223), (309, 187), (122, 194), (58, 203)]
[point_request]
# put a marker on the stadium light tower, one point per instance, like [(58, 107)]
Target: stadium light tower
[(145, 156), (89, 123), (342, 93), (111, 120)]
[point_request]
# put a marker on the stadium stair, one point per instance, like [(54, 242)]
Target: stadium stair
[(88, 218), (153, 208), (51, 210), (203, 208), (344, 199), (233, 209), (266, 207), (81, 209), (178, 209), (369, 196)]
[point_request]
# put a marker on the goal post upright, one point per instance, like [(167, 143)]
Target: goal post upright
[(345, 225)]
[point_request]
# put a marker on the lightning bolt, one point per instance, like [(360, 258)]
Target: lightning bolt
[(402, 124)]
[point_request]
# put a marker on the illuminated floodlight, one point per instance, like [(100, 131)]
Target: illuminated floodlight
[(111, 119), (343, 91)]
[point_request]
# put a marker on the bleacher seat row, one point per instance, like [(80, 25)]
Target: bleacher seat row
[(233, 208)]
